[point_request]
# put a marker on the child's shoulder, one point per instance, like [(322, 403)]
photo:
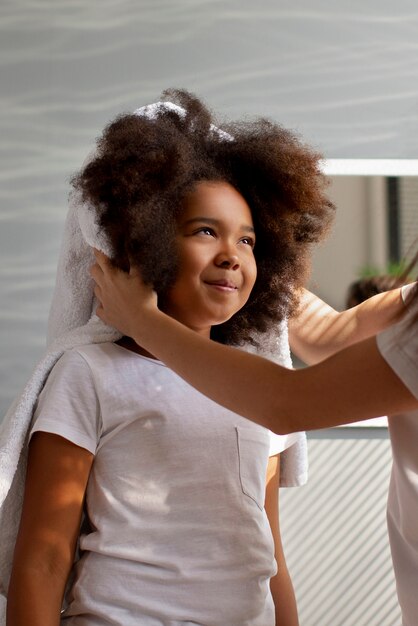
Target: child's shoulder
[(102, 355), (91, 355), (93, 349), (84, 358), (79, 367)]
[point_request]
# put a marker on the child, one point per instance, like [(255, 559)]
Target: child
[(171, 484)]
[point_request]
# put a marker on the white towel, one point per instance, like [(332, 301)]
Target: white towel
[(72, 323)]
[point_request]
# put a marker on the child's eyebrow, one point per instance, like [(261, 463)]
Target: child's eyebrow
[(215, 222)]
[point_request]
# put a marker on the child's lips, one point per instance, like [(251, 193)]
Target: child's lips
[(222, 285)]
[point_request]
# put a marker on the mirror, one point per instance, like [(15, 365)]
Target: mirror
[(376, 226)]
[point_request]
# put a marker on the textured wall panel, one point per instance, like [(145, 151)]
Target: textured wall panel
[(334, 532)]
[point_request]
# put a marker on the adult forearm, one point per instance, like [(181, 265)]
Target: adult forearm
[(242, 382), (353, 385)]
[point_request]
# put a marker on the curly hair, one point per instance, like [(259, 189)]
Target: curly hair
[(143, 168), (364, 288)]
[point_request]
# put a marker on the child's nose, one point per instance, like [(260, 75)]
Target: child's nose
[(227, 260)]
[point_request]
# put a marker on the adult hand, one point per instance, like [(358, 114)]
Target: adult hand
[(123, 297)]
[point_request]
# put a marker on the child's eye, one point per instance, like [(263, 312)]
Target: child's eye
[(249, 241), (205, 230)]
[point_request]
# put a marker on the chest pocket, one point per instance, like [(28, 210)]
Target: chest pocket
[(253, 454)]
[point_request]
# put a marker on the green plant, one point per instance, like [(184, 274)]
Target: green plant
[(393, 268)]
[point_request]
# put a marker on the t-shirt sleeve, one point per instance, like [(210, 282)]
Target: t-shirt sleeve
[(279, 443), (398, 345), (293, 458), (68, 405)]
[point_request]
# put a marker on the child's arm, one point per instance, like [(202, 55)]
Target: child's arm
[(281, 585), (318, 331), (352, 385), (56, 480)]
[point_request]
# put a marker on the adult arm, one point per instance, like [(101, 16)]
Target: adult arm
[(318, 331), (56, 480), (281, 584), (352, 385)]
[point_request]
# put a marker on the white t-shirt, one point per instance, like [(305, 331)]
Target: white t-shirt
[(399, 347), (175, 497)]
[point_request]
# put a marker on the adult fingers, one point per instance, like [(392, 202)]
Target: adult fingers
[(101, 259), (96, 273)]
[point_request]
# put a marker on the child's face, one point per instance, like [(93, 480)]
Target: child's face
[(217, 269)]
